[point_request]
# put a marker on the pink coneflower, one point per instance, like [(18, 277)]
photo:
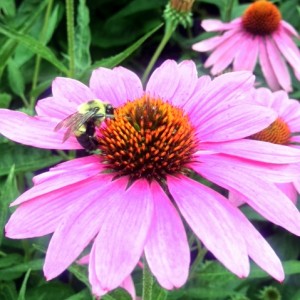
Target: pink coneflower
[(284, 130), (260, 34), (127, 200), (127, 283)]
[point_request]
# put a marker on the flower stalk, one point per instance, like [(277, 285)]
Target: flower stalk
[(176, 12), (147, 283), (70, 36), (38, 57)]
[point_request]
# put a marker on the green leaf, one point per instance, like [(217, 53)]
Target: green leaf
[(50, 291), (112, 61), (15, 78), (158, 293), (7, 49), (289, 12), (24, 158), (291, 267), (10, 260), (8, 7), (52, 23), (24, 285), (8, 291), (21, 54), (83, 295), (5, 100), (18, 270), (43, 86), (82, 39), (134, 7), (35, 46), (118, 294), (80, 272), (8, 192), (210, 281), (251, 214)]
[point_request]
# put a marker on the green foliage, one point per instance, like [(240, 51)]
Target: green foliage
[(35, 46), (25, 159), (82, 39), (8, 192)]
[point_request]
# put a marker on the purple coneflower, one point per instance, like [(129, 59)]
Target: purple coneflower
[(260, 34), (128, 199), (284, 130)]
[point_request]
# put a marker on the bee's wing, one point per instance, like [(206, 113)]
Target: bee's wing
[(72, 123), (65, 122)]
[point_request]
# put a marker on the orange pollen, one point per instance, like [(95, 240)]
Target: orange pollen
[(277, 133), (261, 18), (147, 138)]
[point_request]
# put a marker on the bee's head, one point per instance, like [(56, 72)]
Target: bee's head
[(109, 110)]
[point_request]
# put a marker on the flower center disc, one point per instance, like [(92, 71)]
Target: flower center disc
[(147, 138), (277, 133), (261, 18)]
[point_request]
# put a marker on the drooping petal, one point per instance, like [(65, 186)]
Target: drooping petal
[(211, 216), (115, 86), (278, 65), (57, 179), (288, 48), (81, 225), (297, 185), (85, 165), (279, 173), (128, 285), (121, 239), (167, 251), (288, 28), (84, 260), (259, 250), (209, 44), (236, 122), (224, 54), (43, 214), (257, 150), (217, 25), (71, 90), (262, 196), (266, 66), (34, 131), (289, 190), (246, 59)]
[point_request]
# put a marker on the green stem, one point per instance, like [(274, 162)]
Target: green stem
[(169, 29), (228, 10), (199, 258), (63, 155), (147, 283), (70, 36), (38, 57), (24, 100)]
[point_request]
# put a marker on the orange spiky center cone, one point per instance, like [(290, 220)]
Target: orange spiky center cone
[(148, 138), (277, 133), (261, 18)]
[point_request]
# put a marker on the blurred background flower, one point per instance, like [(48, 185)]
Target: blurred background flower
[(259, 35)]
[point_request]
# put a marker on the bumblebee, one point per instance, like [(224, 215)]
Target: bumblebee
[(83, 123)]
